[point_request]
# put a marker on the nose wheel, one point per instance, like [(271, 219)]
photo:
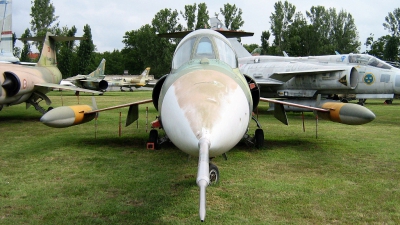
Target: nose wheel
[(214, 174)]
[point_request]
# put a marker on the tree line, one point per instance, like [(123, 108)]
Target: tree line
[(321, 31)]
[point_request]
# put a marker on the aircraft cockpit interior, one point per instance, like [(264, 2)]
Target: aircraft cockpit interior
[(209, 44)]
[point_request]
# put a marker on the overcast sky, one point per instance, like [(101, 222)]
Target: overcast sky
[(109, 20)]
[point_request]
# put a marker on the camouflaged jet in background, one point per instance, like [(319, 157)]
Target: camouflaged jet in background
[(29, 84), (93, 81), (130, 81)]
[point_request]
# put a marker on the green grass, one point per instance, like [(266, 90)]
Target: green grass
[(348, 175)]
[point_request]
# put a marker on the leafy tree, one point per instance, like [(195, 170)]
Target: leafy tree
[(343, 36), (138, 44), (65, 56), (115, 62), (166, 21), (250, 47), (295, 36), (392, 23), (280, 20), (391, 51), (144, 48), (190, 16), (376, 48), (42, 14), (233, 16), (85, 52), (321, 25), (27, 47), (202, 16), (161, 47), (265, 42), (333, 31)]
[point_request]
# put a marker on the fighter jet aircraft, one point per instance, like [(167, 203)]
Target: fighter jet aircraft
[(6, 41), (205, 105), (301, 79), (19, 83), (93, 81), (136, 81), (361, 75)]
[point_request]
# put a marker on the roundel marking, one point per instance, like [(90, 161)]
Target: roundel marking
[(369, 78)]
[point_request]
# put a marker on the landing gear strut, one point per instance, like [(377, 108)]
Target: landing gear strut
[(258, 139), (361, 101)]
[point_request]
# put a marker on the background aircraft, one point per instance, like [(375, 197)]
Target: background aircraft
[(136, 81), (301, 79), (19, 83), (361, 75), (6, 41), (93, 81), (205, 105)]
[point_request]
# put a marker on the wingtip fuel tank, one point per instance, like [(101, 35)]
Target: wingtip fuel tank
[(66, 116), (351, 114)]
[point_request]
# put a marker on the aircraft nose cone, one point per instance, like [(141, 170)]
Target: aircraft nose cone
[(213, 106), (354, 114), (59, 117)]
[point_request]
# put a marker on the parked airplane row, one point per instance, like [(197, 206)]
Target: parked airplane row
[(204, 104)]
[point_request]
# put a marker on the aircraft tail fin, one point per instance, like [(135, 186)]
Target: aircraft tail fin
[(48, 53), (6, 23), (144, 75), (99, 72)]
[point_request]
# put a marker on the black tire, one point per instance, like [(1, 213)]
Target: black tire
[(259, 138), (153, 138), (214, 174), (388, 101)]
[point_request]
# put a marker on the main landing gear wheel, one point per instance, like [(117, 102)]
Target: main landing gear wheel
[(388, 101), (214, 174), (259, 138), (152, 143)]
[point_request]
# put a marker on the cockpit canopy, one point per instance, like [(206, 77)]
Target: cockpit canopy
[(369, 60), (204, 44)]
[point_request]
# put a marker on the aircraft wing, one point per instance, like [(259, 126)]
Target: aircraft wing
[(66, 116), (71, 88), (77, 77), (280, 113), (119, 106), (285, 76)]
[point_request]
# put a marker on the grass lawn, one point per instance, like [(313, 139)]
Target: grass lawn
[(88, 174)]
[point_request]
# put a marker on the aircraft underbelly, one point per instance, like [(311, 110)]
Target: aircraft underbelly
[(213, 107)]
